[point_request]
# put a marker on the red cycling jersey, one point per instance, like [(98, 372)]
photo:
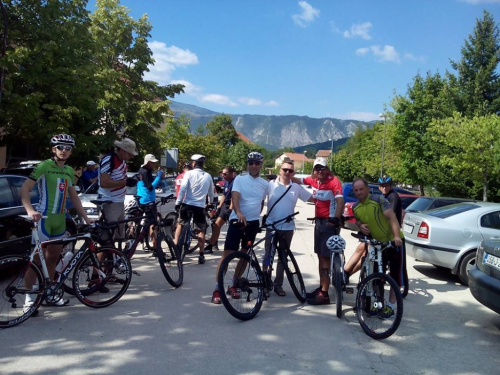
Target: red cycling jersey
[(324, 194)]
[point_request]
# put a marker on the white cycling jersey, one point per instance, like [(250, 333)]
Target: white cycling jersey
[(196, 185)]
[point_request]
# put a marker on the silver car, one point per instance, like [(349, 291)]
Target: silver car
[(449, 236)]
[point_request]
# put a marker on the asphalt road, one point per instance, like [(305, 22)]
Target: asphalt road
[(155, 329)]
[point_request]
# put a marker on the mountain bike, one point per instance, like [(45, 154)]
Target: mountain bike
[(375, 291), (92, 270), (242, 282)]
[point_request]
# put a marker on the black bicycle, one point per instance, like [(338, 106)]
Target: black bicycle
[(242, 282)]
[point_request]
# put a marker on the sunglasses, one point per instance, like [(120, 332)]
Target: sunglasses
[(320, 169), (287, 170), (64, 148), (254, 163), (225, 174)]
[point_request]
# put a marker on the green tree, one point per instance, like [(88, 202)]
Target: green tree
[(221, 127), (476, 146), (478, 78)]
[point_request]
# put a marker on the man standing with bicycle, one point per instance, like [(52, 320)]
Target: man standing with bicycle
[(375, 218), (54, 180), (329, 206), (196, 185), (224, 208), (283, 196), (249, 193)]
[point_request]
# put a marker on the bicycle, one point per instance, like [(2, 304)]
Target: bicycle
[(166, 251), (93, 269), (375, 289), (241, 275)]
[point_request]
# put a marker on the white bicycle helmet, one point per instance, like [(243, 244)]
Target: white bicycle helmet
[(255, 156), (335, 243), (62, 139), (130, 206), (198, 158)]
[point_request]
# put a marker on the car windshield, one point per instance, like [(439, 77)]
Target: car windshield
[(419, 205), (448, 211)]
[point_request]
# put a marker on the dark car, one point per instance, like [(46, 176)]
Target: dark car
[(15, 234), (429, 203), (484, 276)]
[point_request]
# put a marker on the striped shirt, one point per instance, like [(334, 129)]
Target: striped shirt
[(117, 169)]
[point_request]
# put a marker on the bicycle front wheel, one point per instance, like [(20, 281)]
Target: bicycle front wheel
[(293, 275), (241, 285), (169, 259), (337, 283), (17, 302), (100, 279), (378, 319)]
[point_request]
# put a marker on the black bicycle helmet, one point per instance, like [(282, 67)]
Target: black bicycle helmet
[(62, 139), (255, 156), (385, 180)]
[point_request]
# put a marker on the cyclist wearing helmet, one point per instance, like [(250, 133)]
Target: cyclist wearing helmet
[(248, 195), (196, 185), (385, 186), (54, 181), (180, 176)]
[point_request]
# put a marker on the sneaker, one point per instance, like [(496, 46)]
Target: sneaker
[(103, 289), (216, 247), (373, 312), (216, 297), (233, 292), (313, 293), (201, 259), (387, 312), (28, 306), (321, 298), (60, 303), (208, 249), (279, 291)]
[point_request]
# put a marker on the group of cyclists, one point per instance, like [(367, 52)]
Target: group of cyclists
[(242, 203)]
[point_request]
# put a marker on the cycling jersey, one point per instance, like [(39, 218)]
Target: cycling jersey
[(178, 183), (117, 169), (147, 185), (324, 194), (395, 203), (196, 185)]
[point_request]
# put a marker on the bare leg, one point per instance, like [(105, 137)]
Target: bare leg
[(324, 278), (354, 263)]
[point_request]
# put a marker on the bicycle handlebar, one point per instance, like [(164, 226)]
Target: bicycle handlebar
[(285, 219), (371, 241)]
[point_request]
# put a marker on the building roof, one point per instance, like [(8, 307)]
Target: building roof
[(295, 156), (243, 138), (323, 153)]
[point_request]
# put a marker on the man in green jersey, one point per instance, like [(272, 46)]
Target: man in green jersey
[(54, 180)]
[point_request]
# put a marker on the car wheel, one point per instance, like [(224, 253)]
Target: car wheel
[(468, 261)]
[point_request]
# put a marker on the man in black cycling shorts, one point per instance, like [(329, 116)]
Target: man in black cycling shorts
[(249, 193)]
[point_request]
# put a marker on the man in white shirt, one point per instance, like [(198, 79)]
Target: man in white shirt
[(283, 196), (248, 195), (196, 185)]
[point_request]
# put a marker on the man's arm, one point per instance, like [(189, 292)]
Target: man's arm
[(25, 198), (107, 183), (339, 207), (394, 226)]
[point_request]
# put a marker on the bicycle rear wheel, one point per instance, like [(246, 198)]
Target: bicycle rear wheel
[(192, 240), (293, 275), (169, 259), (100, 279), (13, 291), (337, 283), (242, 274), (373, 312)]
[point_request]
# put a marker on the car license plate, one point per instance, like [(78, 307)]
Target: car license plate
[(492, 261), (407, 228)]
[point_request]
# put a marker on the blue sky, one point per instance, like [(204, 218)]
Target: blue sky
[(342, 59)]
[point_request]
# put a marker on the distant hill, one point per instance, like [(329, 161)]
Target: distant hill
[(274, 132)]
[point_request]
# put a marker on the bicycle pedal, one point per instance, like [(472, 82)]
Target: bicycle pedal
[(136, 273), (349, 290)]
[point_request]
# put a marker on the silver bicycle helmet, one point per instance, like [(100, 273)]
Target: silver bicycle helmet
[(62, 139), (255, 156), (335, 243)]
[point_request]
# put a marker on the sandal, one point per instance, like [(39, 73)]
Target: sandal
[(279, 291)]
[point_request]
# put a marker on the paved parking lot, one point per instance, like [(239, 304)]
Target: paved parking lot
[(155, 329)]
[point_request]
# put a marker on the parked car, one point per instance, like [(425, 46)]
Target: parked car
[(429, 203), (484, 277), (15, 233), (350, 198), (449, 236)]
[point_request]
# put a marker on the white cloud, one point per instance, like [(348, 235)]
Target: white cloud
[(250, 101), (308, 14), (385, 53), (360, 116), (167, 59), (272, 103), (410, 56), (189, 88), (360, 29), (334, 28), (217, 99)]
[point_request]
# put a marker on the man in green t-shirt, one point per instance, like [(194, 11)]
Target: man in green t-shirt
[(54, 180)]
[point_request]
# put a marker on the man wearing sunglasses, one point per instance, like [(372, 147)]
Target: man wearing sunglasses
[(54, 180), (248, 195), (329, 205)]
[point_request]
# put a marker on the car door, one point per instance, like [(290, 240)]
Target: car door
[(489, 225)]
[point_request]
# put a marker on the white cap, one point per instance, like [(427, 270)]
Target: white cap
[(148, 158), (320, 161), (128, 145), (91, 162)]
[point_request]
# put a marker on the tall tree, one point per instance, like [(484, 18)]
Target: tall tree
[(477, 70), (221, 127)]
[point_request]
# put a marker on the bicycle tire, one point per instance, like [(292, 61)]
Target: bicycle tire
[(169, 259), (108, 284), (294, 276), (191, 238), (377, 287), (239, 270), (337, 283), (12, 272)]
